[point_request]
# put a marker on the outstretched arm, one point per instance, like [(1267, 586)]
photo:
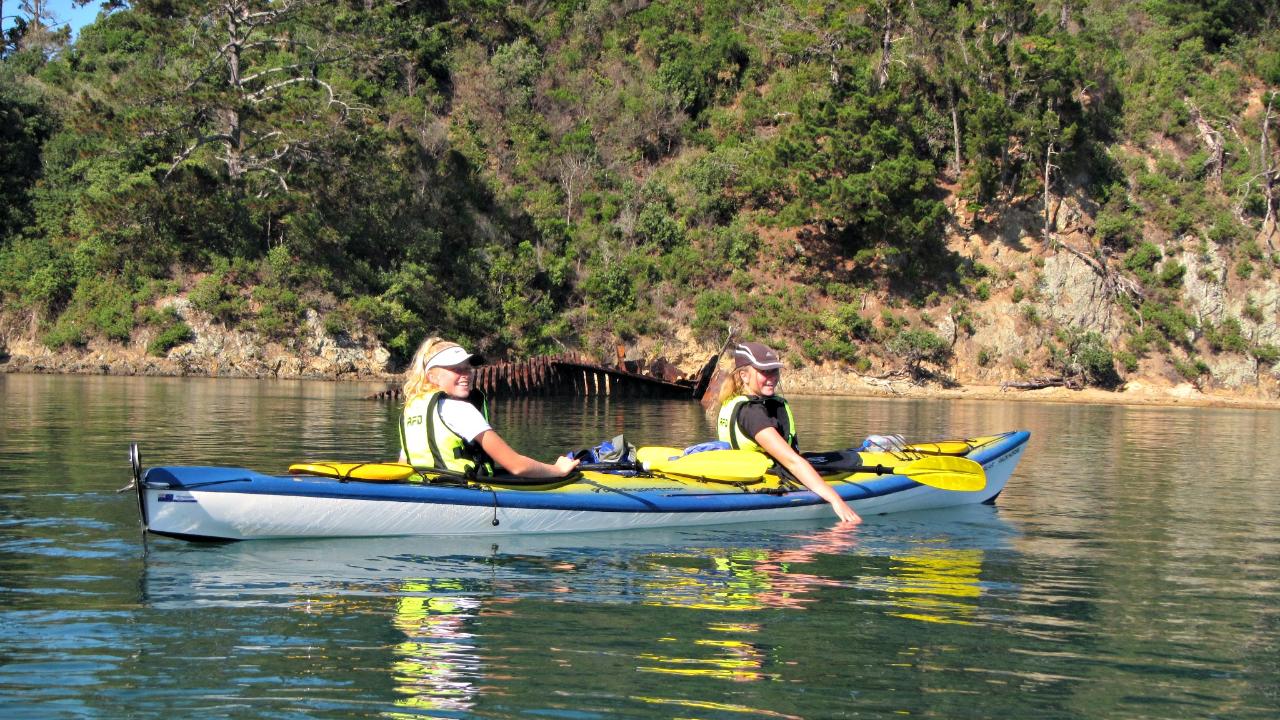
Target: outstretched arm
[(787, 457), (524, 466)]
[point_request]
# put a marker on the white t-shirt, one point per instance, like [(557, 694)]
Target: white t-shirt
[(463, 418)]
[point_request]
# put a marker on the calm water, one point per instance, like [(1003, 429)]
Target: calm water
[(1130, 570)]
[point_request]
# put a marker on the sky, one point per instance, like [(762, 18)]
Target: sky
[(62, 10)]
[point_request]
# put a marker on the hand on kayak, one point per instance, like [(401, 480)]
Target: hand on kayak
[(565, 465)]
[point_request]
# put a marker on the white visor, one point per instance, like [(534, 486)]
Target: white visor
[(449, 357)]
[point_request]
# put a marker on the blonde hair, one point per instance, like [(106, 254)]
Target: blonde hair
[(733, 385), (415, 376)]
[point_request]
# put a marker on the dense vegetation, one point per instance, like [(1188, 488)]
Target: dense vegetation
[(534, 175)]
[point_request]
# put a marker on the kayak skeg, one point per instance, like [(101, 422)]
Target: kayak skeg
[(334, 499)]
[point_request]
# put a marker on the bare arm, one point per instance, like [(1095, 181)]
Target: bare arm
[(517, 464), (779, 450)]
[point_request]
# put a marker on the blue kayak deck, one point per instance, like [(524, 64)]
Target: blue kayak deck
[(593, 492)]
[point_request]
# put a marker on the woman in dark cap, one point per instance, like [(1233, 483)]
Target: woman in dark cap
[(754, 417)]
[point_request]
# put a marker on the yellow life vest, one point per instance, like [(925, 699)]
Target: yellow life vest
[(428, 443), (730, 431)]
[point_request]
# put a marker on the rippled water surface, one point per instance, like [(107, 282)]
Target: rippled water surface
[(1130, 570)]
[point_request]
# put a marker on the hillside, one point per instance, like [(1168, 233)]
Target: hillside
[(903, 195)]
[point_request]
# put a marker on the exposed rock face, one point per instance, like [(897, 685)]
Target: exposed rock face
[(215, 351), (1203, 287), (1075, 295)]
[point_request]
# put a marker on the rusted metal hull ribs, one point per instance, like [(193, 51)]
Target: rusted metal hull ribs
[(572, 376)]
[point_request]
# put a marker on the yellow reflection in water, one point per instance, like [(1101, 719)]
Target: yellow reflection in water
[(436, 662), (936, 586), (733, 579), (704, 705), (746, 579), (735, 660)]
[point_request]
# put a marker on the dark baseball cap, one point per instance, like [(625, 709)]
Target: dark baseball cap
[(755, 355)]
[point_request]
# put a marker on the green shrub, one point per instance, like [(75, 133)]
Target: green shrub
[(1226, 337), (339, 321), (656, 225), (169, 337), (737, 245), (1031, 314), (279, 312), (987, 355), (395, 325), (66, 332), (852, 324), (1127, 360), (1192, 368), (280, 267), (1266, 354), (1018, 294), (1116, 228), (840, 349), (811, 349), (1226, 230), (1093, 355), (915, 347), (106, 306), (712, 312), (1244, 269), (682, 265), (1171, 274), (1141, 342), (761, 324), (1174, 322), (217, 295), (1142, 259), (892, 323), (1252, 311), (610, 289)]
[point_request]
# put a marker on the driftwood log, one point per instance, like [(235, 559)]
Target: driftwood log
[(1070, 382)]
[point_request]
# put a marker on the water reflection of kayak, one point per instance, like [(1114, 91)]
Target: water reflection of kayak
[(229, 503), (924, 566)]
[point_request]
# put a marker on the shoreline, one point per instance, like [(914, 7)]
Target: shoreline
[(809, 384), (1135, 392), (1184, 395)]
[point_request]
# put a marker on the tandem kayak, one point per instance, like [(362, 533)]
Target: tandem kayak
[(334, 500)]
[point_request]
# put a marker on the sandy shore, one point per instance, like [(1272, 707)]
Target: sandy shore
[(1134, 392)]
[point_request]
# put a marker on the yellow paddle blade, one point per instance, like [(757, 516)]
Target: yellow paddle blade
[(727, 465), (945, 472), (646, 456), (368, 471)]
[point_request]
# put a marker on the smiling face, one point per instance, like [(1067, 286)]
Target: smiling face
[(763, 383), (455, 380)]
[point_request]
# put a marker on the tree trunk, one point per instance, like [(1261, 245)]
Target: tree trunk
[(1268, 176), (1211, 138), (235, 141), (886, 52), (1048, 167), (955, 128)]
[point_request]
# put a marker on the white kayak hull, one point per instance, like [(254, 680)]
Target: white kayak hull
[(238, 504)]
